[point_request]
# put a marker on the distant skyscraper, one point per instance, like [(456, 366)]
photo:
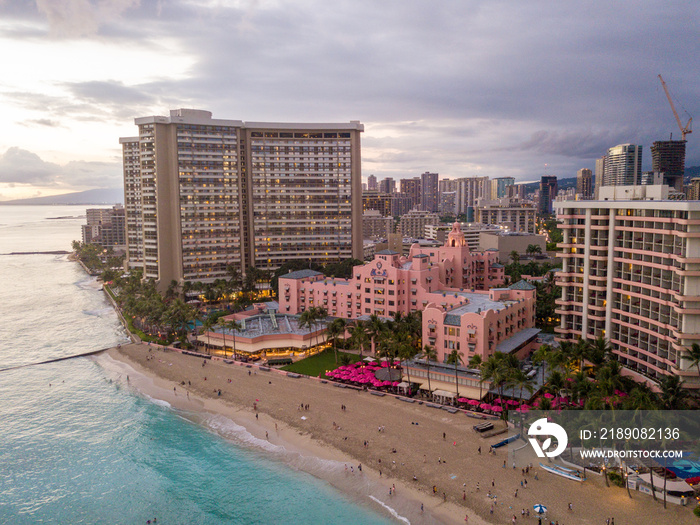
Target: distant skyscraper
[(548, 190), (429, 191), (623, 166), (372, 183), (599, 172), (412, 188), (584, 183), (693, 191), (668, 157), (516, 191), (499, 187), (469, 189), (387, 185)]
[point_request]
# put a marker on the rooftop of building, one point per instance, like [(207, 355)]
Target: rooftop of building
[(269, 324), (388, 252), (522, 285), (476, 304), (203, 117), (300, 274)]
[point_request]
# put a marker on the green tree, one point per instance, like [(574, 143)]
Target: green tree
[(405, 350), (375, 327), (518, 379), (222, 323), (533, 249), (429, 354), (693, 356), (335, 329), (234, 326), (475, 362), (515, 257), (455, 358), (359, 336), (673, 395), (208, 326)]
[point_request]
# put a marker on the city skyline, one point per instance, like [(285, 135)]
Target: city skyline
[(459, 89)]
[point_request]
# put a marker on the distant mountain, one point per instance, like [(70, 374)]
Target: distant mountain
[(99, 196)]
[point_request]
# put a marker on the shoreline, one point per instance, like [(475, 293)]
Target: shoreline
[(414, 431), (300, 448)]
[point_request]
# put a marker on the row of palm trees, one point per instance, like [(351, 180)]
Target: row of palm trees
[(588, 371), (152, 312)]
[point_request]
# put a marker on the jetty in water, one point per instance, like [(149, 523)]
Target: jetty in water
[(53, 252), (55, 360)]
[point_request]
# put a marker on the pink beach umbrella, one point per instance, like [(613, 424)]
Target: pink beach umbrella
[(485, 406), (512, 402), (498, 400), (462, 400), (497, 409), (473, 402)]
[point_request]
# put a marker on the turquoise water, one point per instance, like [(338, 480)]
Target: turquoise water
[(78, 445)]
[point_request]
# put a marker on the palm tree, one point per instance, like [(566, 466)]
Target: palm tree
[(475, 362), (533, 249), (334, 330), (693, 356), (223, 324), (234, 326), (600, 351), (430, 354), (499, 367), (375, 327), (455, 358), (542, 356), (580, 352), (359, 336), (520, 380), (307, 320), (405, 350), (207, 326), (673, 395), (515, 256)]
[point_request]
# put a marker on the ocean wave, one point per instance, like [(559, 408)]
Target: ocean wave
[(100, 311), (391, 510), (158, 402), (232, 430), (89, 283)]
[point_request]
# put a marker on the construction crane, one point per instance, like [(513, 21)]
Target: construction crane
[(685, 130)]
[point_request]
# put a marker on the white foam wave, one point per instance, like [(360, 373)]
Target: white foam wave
[(90, 284), (229, 429), (158, 402), (391, 511)]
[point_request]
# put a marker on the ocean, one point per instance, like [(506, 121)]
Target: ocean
[(79, 445)]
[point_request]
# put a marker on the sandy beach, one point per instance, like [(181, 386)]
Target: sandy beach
[(268, 404)]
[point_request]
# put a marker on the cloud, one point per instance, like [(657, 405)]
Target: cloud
[(461, 87), (42, 122), (79, 18), (24, 167)]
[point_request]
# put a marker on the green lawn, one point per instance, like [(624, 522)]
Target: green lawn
[(316, 365)]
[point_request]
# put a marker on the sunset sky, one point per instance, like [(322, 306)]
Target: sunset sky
[(462, 87)]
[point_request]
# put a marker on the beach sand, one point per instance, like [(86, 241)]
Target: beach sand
[(453, 464)]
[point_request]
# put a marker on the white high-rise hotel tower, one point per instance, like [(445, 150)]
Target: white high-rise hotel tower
[(631, 273), (203, 194)]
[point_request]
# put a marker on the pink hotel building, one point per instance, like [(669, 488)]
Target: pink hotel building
[(432, 280)]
